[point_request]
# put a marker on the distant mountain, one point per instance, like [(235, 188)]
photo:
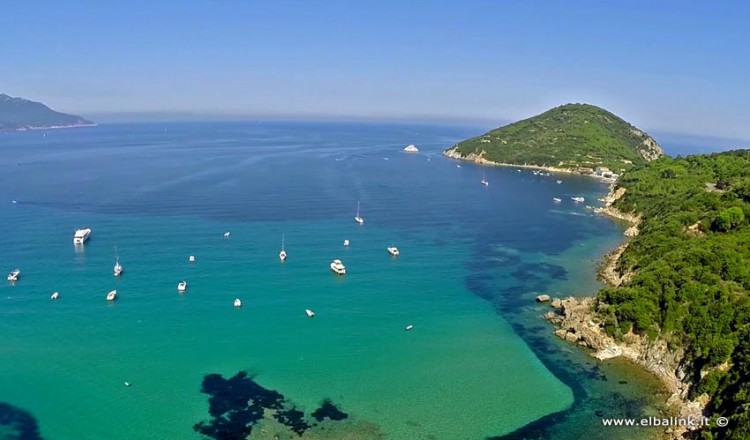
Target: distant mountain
[(576, 137), (21, 114)]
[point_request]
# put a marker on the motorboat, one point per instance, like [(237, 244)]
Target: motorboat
[(338, 267), (118, 268), (191, 258), (409, 327), (282, 254), (309, 313), (411, 149), (111, 296), (393, 250), (237, 302), (556, 199), (182, 286), (81, 235), (14, 275), (227, 234), (358, 218), (559, 182), (54, 295), (578, 199), (346, 243), (484, 180)]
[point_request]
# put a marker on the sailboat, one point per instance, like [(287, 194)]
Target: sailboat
[(118, 266), (282, 254), (358, 218), (485, 182)]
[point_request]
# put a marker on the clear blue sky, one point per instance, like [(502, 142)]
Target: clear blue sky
[(676, 66)]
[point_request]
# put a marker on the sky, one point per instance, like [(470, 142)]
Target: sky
[(670, 66)]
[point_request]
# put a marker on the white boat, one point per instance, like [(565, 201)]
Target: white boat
[(559, 182), (578, 199), (81, 235), (227, 234), (118, 268), (556, 199), (411, 149), (358, 218), (111, 296), (393, 250), (484, 180), (55, 295), (346, 243), (182, 286), (237, 302), (15, 275), (409, 327), (309, 313), (338, 267), (191, 258), (282, 254)]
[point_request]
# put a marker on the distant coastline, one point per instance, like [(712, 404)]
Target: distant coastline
[(47, 127)]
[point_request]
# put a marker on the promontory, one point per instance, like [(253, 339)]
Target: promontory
[(18, 114), (572, 138)]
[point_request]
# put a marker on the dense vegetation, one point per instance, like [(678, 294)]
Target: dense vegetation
[(570, 136), (18, 114), (690, 274)]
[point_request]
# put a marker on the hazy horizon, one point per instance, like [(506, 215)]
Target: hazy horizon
[(665, 67)]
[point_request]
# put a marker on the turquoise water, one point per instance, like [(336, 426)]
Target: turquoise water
[(479, 362)]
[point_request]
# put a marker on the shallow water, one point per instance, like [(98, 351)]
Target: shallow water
[(479, 362)]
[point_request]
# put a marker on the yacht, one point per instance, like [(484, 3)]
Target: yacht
[(309, 313), (55, 295), (282, 254), (484, 180), (409, 327), (15, 275), (182, 286), (556, 199), (393, 250), (81, 235), (191, 258), (346, 243), (111, 296), (578, 199), (227, 234), (411, 149), (237, 302), (559, 182), (118, 268), (358, 218), (338, 267)]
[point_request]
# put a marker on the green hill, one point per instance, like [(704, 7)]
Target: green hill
[(22, 114), (573, 137), (687, 275)]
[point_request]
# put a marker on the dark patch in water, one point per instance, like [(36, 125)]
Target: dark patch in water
[(328, 410), (540, 271), (238, 403), (20, 422)]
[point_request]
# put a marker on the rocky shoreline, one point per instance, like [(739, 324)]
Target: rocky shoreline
[(477, 158), (578, 322)]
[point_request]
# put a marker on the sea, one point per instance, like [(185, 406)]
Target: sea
[(479, 362)]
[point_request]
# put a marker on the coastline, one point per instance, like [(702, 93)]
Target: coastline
[(50, 127), (478, 159), (577, 321)]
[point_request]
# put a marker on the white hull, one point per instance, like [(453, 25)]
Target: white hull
[(181, 287), (359, 220), (394, 251), (81, 236), (14, 276), (338, 267), (111, 296), (237, 303), (282, 256), (309, 313), (118, 270), (55, 296)]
